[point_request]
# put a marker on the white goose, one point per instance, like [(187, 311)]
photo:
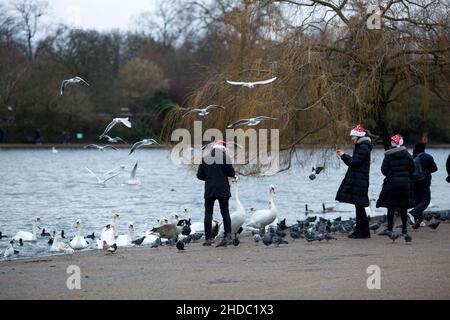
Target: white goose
[(237, 217), (109, 233), (124, 240), (261, 218), (78, 242), (28, 236), (57, 246), (198, 227)]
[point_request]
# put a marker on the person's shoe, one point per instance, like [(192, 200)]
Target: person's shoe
[(353, 235), (404, 231), (363, 236), (415, 226), (384, 233), (207, 243)]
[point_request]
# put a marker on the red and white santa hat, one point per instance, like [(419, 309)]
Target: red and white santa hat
[(397, 140), (220, 145), (358, 131)]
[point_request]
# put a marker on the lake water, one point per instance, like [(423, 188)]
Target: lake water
[(57, 188)]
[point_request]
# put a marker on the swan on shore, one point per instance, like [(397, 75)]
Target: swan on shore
[(124, 240), (57, 246), (261, 218), (109, 233), (237, 217), (78, 242), (28, 236)]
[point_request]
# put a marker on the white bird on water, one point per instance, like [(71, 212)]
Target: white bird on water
[(28, 236), (204, 112), (95, 146), (146, 142), (100, 180), (78, 242), (250, 122), (125, 121), (72, 81), (9, 252), (251, 84)]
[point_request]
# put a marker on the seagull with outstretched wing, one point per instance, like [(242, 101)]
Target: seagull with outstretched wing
[(204, 112), (250, 122), (125, 121), (114, 140), (94, 146), (72, 81), (146, 142), (100, 180), (251, 84)]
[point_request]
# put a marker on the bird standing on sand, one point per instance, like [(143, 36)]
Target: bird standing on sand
[(180, 245), (139, 241), (434, 226), (72, 81), (408, 238), (392, 235)]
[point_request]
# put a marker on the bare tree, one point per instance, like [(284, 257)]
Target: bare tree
[(29, 14)]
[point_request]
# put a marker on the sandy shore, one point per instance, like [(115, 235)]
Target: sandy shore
[(336, 270)]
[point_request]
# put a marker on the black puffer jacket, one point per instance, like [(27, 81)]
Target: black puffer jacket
[(397, 191), (355, 186), (448, 169), (216, 174)]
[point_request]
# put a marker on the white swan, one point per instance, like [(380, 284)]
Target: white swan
[(261, 218), (370, 210), (57, 246), (237, 217), (78, 242), (124, 240), (28, 236), (199, 227)]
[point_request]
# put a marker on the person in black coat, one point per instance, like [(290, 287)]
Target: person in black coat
[(422, 192), (397, 191), (215, 170), (355, 186), (448, 169)]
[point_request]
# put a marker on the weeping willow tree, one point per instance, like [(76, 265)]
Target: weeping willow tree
[(332, 70)]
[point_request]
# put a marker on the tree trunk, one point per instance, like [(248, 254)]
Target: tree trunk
[(382, 124)]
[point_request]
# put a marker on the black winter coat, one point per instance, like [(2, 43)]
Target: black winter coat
[(216, 174), (355, 186), (397, 191)]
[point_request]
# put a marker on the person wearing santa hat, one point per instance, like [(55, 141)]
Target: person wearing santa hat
[(397, 191), (355, 186), (215, 170)]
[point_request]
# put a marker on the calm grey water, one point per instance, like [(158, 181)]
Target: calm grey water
[(57, 188)]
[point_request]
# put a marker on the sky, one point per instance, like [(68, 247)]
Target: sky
[(102, 15)]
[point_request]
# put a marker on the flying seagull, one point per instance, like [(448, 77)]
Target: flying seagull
[(146, 142), (133, 180), (251, 84), (115, 121), (94, 146), (250, 122), (114, 140), (204, 112), (72, 81), (99, 180)]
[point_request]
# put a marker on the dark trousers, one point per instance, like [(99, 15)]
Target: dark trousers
[(390, 218), (224, 210), (362, 223), (422, 194)]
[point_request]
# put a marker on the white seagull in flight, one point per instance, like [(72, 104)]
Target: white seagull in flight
[(100, 180), (204, 112), (146, 142), (126, 122), (114, 140), (94, 146), (250, 122), (72, 81), (251, 84)]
